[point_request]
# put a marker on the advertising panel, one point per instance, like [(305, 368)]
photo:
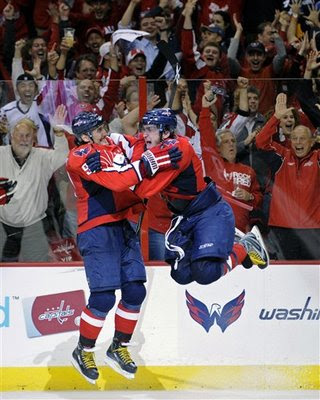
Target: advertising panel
[(53, 313), (249, 318)]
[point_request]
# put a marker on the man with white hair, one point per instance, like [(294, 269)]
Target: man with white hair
[(22, 221)]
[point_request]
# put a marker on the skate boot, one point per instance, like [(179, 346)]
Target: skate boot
[(256, 249), (118, 358), (83, 361)]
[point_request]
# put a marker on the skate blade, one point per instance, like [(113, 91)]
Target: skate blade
[(116, 368), (75, 364)]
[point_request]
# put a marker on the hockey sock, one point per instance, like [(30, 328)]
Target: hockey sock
[(90, 327), (126, 319), (237, 256)]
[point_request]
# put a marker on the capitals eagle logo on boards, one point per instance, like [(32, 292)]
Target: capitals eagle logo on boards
[(230, 312)]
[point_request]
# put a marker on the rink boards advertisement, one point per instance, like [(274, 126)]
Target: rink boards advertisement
[(252, 329)]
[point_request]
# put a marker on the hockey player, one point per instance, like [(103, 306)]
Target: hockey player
[(200, 242), (6, 190), (109, 246)]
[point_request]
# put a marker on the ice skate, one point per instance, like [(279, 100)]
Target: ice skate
[(118, 358), (255, 247), (83, 361)]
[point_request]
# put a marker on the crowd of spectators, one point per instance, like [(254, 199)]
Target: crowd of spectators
[(246, 93)]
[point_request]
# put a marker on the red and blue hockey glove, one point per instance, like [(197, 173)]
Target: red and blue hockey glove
[(93, 162), (156, 160), (6, 190)]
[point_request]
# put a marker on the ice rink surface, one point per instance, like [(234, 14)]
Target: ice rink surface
[(164, 395)]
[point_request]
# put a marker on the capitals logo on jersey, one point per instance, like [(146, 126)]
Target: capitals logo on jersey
[(82, 152), (168, 143), (224, 318)]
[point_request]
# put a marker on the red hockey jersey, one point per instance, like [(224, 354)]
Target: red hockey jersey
[(182, 183), (105, 196)]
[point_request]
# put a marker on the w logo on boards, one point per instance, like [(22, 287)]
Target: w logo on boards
[(206, 318)]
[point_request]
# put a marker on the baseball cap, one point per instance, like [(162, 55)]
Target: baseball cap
[(213, 29), (154, 12), (256, 47), (69, 3), (104, 49), (134, 53), (95, 29), (25, 77)]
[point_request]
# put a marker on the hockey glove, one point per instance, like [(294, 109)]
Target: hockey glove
[(93, 162), (155, 160), (6, 190)]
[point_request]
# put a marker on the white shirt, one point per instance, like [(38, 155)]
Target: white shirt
[(30, 200)]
